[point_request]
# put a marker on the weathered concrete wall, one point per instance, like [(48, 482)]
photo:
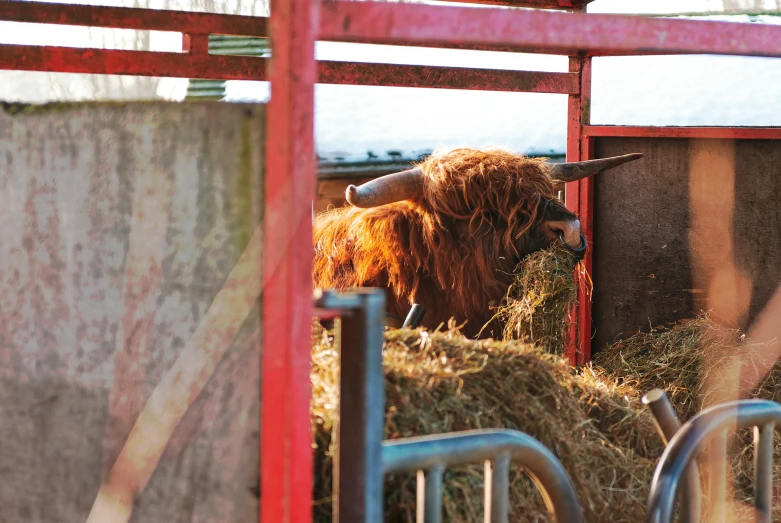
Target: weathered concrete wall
[(119, 224), (693, 226)]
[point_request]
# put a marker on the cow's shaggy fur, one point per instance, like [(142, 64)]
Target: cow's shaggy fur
[(454, 248)]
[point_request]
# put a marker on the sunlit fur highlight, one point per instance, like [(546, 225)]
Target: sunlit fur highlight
[(451, 250)]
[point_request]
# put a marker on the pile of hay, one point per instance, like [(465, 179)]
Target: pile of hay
[(537, 307), (697, 363), (592, 418), (443, 382)]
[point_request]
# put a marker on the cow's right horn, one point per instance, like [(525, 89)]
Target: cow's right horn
[(390, 188)]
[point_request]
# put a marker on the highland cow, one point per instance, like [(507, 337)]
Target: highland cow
[(448, 233)]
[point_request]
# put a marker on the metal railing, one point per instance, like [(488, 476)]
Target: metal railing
[(362, 458), (668, 424), (434, 454), (357, 474), (679, 455)]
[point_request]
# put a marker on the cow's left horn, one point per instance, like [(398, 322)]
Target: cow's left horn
[(386, 189), (571, 171)]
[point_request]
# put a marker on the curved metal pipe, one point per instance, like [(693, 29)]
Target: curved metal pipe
[(474, 446), (682, 448), (668, 424)]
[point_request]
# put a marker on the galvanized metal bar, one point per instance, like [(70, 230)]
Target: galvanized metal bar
[(763, 472), (728, 133), (131, 18), (285, 432), (380, 22), (433, 497), (487, 490), (361, 426), (420, 498), (425, 452), (414, 317), (683, 447), (717, 476), (668, 424), (500, 489)]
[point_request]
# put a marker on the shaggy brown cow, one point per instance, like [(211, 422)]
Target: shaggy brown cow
[(448, 233)]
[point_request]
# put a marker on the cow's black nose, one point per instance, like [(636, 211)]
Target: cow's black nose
[(580, 252)]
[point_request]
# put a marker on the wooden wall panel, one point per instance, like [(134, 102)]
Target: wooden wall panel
[(119, 224), (641, 265), (694, 226)]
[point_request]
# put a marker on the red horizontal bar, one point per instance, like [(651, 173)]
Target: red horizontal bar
[(539, 4), (136, 63), (418, 24), (223, 67), (736, 133), (132, 18), (446, 77)]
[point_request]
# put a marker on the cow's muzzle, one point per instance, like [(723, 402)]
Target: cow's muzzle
[(580, 251)]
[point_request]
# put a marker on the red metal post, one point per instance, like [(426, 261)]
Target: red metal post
[(286, 450), (579, 198)]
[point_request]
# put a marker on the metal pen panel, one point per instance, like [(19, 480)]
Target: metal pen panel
[(358, 474), (763, 471), (500, 489), (668, 424), (687, 442), (501, 446)]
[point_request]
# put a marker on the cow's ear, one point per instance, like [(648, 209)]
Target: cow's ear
[(572, 171), (390, 188)]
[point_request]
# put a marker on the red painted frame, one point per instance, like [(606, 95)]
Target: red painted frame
[(286, 447), (196, 62), (729, 133), (578, 197), (559, 33), (295, 25)]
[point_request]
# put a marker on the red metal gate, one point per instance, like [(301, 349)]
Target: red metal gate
[(294, 26)]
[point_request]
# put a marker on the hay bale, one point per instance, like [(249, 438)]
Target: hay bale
[(443, 382), (537, 307), (696, 362), (684, 361)]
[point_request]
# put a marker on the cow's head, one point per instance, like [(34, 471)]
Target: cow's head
[(492, 194)]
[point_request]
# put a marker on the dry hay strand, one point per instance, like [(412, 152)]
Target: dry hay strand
[(443, 382), (697, 363), (537, 307)]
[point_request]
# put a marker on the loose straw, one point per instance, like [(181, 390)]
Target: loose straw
[(179, 388)]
